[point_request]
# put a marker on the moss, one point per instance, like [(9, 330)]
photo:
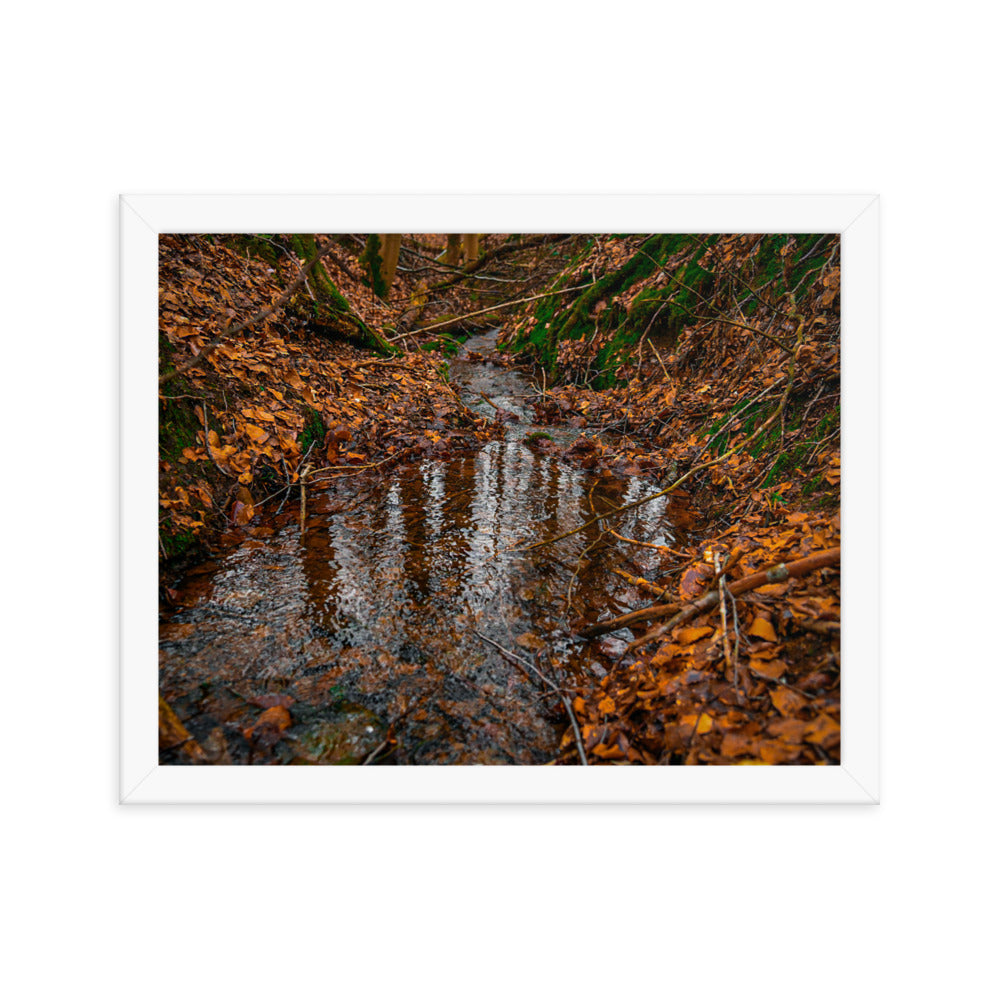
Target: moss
[(329, 308), (812, 485), (808, 255), (667, 308), (260, 245), (539, 436), (174, 544), (372, 260), (555, 320), (314, 430), (178, 428), (449, 346)]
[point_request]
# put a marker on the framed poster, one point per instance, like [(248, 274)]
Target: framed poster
[(287, 647)]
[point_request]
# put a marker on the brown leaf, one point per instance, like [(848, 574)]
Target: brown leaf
[(528, 640), (694, 579), (242, 513), (790, 730), (735, 744), (688, 635), (276, 719), (773, 669), (786, 701), (702, 722), (778, 752), (824, 731), (762, 629)]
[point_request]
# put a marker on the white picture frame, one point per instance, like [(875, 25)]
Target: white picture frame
[(855, 216)]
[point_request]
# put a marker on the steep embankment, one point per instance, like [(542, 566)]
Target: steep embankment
[(718, 357), (298, 391)]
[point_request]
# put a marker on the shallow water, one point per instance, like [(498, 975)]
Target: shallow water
[(369, 619)]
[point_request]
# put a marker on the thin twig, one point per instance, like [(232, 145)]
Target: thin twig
[(482, 312), (727, 652), (775, 574), (566, 702), (790, 376), (208, 446)]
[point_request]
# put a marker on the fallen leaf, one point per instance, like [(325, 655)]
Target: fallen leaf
[(786, 701), (688, 635), (528, 640), (762, 629), (823, 730), (694, 579), (772, 669), (702, 722)]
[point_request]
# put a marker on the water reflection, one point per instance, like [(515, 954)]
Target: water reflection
[(381, 596)]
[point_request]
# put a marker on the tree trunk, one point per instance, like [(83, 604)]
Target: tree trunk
[(470, 244), (390, 257), (452, 251)]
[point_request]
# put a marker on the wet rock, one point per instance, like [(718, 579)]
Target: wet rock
[(347, 739), (612, 647)]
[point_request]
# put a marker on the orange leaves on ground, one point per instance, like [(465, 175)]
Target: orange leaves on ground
[(787, 701), (762, 629), (682, 703), (701, 723), (778, 751), (272, 722), (686, 636), (824, 731), (772, 669), (664, 654), (242, 513), (694, 579), (737, 744)]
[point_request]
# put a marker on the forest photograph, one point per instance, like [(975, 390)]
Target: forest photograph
[(566, 499)]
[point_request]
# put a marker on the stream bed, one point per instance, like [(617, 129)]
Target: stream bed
[(371, 627)]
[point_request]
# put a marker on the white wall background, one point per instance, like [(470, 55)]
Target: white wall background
[(775, 97)]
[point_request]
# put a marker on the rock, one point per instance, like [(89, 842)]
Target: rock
[(347, 739)]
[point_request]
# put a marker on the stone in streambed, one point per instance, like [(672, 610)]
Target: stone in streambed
[(347, 739)]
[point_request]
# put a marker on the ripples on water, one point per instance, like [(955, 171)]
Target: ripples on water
[(377, 605)]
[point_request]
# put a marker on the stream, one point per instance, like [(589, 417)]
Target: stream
[(375, 616)]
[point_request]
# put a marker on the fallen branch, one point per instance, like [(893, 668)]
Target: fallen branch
[(727, 652), (651, 613), (499, 305), (302, 499), (779, 412), (638, 581), (645, 545), (504, 250), (775, 574)]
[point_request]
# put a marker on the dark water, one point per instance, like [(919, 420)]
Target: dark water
[(369, 619)]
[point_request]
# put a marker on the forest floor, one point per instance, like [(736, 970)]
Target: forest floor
[(733, 658)]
